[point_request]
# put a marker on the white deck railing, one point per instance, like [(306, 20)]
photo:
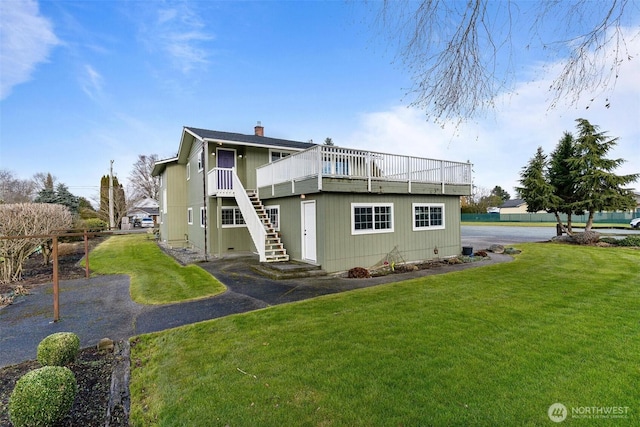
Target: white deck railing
[(329, 161), (251, 219), (220, 182)]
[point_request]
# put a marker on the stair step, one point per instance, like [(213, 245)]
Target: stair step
[(277, 258)]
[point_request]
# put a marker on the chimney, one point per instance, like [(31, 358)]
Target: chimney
[(259, 129)]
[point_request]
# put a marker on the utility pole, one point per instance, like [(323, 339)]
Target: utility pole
[(112, 222)]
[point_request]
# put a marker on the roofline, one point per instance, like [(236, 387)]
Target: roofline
[(160, 165), (249, 144)]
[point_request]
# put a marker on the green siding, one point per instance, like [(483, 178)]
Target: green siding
[(339, 250), (173, 225), (195, 197), (226, 239)]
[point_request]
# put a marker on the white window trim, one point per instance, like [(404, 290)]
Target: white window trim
[(234, 225), (276, 207), (164, 200), (202, 218), (372, 206), (190, 216), (271, 151), (188, 171), (430, 205), (200, 156)]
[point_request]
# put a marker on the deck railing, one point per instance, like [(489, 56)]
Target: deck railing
[(329, 161), (251, 218), (220, 182)]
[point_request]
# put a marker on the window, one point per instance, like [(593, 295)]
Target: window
[(428, 216), (188, 171), (203, 218), (231, 217), (200, 160), (371, 218), (273, 212), (277, 155), (190, 216), (164, 200)]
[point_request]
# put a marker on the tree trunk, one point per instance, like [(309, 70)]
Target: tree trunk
[(589, 221), (561, 227), (569, 227)]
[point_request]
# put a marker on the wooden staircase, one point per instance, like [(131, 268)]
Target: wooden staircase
[(274, 249)]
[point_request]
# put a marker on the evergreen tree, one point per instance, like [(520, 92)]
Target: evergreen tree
[(65, 198), (597, 187), (561, 176), (119, 201), (536, 189)]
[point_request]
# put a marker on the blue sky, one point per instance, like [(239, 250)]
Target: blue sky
[(86, 82)]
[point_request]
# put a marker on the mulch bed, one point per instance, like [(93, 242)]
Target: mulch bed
[(92, 368)]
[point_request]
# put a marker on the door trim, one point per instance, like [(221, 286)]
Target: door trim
[(305, 256)]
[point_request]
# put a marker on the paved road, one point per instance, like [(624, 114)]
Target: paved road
[(481, 237)]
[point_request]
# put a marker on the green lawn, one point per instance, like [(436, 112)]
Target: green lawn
[(156, 278), (489, 346)]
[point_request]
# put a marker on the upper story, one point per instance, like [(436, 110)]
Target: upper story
[(208, 160)]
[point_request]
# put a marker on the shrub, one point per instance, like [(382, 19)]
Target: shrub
[(358, 273), (58, 349), (627, 241), (94, 224), (42, 397), (630, 241)]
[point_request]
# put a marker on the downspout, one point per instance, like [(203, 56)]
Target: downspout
[(205, 168)]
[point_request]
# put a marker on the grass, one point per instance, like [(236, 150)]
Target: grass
[(490, 346), (156, 278)]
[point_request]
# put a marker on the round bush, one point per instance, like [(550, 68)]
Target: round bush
[(42, 397), (58, 349)]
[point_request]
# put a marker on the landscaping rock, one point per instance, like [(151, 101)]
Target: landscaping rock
[(105, 344), (482, 254), (586, 238), (496, 249)]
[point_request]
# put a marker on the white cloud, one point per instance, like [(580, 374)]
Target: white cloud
[(180, 33), (500, 145), (27, 40), (92, 83)]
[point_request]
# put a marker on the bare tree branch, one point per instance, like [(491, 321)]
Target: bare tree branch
[(461, 54)]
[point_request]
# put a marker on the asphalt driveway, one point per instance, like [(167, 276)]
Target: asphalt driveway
[(101, 306)]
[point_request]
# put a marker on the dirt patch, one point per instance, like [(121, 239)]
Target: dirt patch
[(36, 273), (93, 374)]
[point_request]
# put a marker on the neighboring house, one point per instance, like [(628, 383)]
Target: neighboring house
[(335, 207), (514, 206), (145, 208)]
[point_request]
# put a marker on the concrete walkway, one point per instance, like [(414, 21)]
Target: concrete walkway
[(101, 306)]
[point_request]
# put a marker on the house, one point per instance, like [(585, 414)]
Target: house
[(145, 208), (326, 205), (514, 206)]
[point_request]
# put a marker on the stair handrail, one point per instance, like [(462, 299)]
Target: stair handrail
[(251, 218)]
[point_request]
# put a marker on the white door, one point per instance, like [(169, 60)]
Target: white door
[(309, 231)]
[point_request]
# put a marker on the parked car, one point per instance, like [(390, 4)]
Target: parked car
[(635, 223), (147, 223)]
